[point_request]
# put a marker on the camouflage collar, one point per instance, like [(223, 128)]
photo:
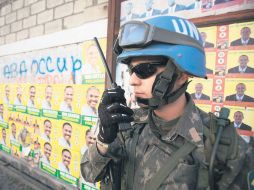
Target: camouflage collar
[(189, 125), (140, 115)]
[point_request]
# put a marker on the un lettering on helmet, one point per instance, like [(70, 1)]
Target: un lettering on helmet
[(186, 27)]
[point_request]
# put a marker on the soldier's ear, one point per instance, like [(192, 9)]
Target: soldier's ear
[(183, 77)]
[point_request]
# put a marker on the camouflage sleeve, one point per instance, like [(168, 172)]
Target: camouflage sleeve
[(234, 167), (93, 165)]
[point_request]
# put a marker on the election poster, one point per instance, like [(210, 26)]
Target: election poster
[(231, 61), (48, 100), (141, 10)]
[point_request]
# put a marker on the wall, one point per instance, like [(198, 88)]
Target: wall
[(23, 19)]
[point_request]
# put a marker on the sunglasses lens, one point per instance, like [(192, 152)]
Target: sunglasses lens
[(144, 70)]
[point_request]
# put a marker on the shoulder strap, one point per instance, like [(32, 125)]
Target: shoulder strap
[(157, 180), (131, 161), (251, 180), (227, 149)]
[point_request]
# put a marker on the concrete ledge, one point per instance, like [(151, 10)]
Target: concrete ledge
[(17, 174)]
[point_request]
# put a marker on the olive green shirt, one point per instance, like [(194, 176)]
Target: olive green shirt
[(156, 144)]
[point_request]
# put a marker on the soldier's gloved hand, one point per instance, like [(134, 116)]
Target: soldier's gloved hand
[(112, 111)]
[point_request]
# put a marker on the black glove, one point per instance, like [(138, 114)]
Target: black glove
[(112, 111)]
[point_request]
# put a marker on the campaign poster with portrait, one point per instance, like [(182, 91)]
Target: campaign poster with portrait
[(14, 131), (68, 165), (239, 92), (49, 97), (4, 139), (199, 91), (210, 5), (247, 114), (68, 98), (240, 59), (242, 116), (241, 36), (90, 95), (232, 61), (49, 157), (140, 9), (93, 71), (46, 108)]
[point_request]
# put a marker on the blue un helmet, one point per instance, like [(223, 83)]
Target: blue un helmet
[(169, 37), (172, 37)]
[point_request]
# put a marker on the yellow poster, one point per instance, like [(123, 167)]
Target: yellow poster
[(241, 35), (44, 118)]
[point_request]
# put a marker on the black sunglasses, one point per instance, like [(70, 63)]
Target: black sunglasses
[(145, 70)]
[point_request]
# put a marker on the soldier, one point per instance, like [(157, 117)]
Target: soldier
[(166, 148)]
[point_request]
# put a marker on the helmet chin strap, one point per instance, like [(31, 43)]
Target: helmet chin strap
[(144, 101), (163, 86), (155, 103)]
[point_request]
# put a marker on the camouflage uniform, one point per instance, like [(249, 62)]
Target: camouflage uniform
[(155, 146)]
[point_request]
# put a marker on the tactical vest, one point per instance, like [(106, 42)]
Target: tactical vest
[(227, 149)]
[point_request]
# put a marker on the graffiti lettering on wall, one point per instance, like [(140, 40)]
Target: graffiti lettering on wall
[(70, 64), (46, 69)]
